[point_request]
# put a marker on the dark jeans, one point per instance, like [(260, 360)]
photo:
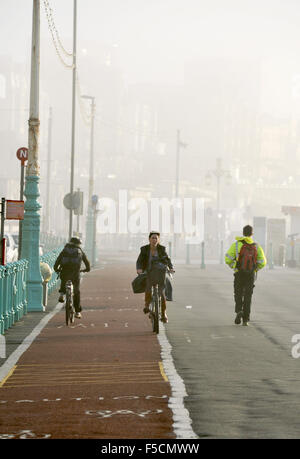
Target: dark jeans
[(75, 278), (243, 290)]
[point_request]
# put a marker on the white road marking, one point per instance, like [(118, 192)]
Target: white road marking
[(79, 325), (79, 399), (221, 337), (14, 357), (109, 414), (182, 424), (24, 434)]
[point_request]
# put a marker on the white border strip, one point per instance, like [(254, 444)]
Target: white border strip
[(14, 357), (182, 422)]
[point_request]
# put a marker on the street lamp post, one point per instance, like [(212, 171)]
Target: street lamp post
[(31, 223), (179, 144), (90, 223), (73, 114), (219, 172)]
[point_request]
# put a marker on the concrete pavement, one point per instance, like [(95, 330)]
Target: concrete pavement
[(242, 382)]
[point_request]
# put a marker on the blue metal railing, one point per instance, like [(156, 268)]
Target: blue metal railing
[(13, 296), (51, 242), (13, 292)]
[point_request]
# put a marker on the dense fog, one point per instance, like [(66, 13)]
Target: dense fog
[(213, 85)]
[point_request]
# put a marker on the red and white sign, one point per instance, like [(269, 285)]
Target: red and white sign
[(14, 210), (22, 154)]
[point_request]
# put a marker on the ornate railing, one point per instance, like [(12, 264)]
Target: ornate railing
[(13, 295), (13, 292)]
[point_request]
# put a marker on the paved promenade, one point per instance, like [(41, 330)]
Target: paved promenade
[(101, 378)]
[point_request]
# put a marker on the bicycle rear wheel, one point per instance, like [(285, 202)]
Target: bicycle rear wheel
[(68, 308)]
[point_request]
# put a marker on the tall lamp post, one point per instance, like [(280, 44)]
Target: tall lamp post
[(179, 145), (73, 114), (31, 223), (219, 172), (90, 221)]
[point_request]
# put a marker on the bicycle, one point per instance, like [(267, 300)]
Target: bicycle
[(69, 301), (155, 306)]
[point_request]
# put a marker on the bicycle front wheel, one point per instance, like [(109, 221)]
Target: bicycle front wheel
[(156, 313)]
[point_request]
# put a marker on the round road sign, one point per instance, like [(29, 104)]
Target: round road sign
[(22, 154), (72, 202)]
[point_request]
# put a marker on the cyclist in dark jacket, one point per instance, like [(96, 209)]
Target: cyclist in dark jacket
[(68, 264), (149, 255)]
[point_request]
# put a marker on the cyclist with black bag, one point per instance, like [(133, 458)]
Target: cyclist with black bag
[(245, 257), (154, 260), (68, 265)]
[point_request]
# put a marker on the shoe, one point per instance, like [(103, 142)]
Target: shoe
[(245, 323), (78, 315), (164, 318), (146, 309), (238, 318), (61, 299)]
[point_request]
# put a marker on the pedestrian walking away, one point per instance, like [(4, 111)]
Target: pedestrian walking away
[(153, 259), (245, 257), (68, 264)]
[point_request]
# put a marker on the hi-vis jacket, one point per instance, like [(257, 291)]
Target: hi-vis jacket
[(232, 254)]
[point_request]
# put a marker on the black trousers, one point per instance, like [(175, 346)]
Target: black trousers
[(243, 290), (75, 278)]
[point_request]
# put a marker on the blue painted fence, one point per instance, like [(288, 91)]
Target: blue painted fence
[(13, 294)]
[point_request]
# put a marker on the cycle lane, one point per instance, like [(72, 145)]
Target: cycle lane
[(101, 378)]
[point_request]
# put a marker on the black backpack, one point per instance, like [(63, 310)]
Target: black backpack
[(71, 258)]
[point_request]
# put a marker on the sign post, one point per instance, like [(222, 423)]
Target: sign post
[(10, 210), (22, 155)]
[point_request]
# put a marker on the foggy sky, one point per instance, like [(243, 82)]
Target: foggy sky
[(163, 42), (156, 37)]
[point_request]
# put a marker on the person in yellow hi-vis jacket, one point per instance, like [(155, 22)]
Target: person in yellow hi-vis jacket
[(245, 257)]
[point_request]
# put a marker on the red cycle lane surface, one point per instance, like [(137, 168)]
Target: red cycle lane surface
[(100, 378)]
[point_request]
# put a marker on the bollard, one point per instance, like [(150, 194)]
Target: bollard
[(188, 261), (221, 253), (45, 293), (202, 255), (46, 273), (270, 256), (282, 255), (170, 249)]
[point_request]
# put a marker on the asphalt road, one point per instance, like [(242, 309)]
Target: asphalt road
[(242, 382)]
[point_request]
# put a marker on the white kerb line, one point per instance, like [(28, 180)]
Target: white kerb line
[(182, 424)]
